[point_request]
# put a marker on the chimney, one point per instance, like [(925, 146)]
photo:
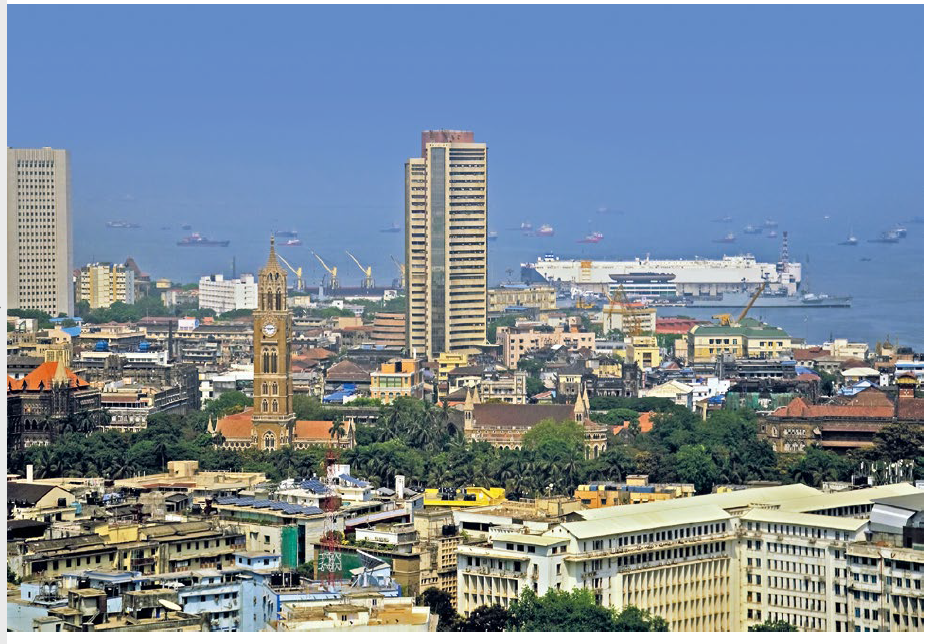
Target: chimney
[(400, 487), (29, 473)]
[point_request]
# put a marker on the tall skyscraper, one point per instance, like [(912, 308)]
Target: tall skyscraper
[(445, 243), (38, 227)]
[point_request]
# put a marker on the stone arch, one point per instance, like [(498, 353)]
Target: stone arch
[(268, 441), (265, 388), (275, 406), (265, 405)]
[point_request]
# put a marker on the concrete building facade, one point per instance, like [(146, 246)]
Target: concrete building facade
[(445, 244), (39, 230), (102, 284), (222, 295)]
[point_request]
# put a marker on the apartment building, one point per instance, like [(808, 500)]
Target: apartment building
[(517, 341), (39, 230), (397, 378), (723, 562), (102, 284), (508, 297), (445, 244), (746, 339), (222, 295)]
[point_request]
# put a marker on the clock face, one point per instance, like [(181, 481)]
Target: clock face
[(269, 328)]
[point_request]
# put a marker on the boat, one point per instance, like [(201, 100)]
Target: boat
[(723, 220), (728, 239), (492, 235), (900, 231), (526, 226), (195, 239), (865, 259), (851, 240), (545, 231), (752, 230), (592, 238), (122, 224), (186, 227), (772, 234), (739, 299), (887, 237), (770, 223), (286, 233), (394, 228), (292, 242)]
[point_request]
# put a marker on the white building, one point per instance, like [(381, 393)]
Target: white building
[(39, 231), (222, 295), (717, 562)]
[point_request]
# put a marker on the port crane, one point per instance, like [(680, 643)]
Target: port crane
[(620, 304), (333, 284), (726, 320), (299, 281), (401, 272), (368, 282)]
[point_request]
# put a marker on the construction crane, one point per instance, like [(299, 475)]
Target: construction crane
[(299, 282), (581, 303), (726, 320), (368, 282), (333, 283), (401, 272), (619, 304)]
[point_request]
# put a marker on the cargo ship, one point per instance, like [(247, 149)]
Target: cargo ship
[(592, 238), (752, 230), (728, 239), (526, 226), (851, 240), (492, 235), (195, 239), (394, 228), (770, 223), (545, 231), (286, 233), (887, 237), (292, 242), (122, 224), (738, 299)]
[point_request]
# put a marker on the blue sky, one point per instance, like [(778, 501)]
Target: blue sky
[(675, 115)]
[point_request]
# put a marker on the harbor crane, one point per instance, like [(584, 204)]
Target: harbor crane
[(619, 304), (368, 282), (401, 272), (299, 281), (333, 284), (726, 320)]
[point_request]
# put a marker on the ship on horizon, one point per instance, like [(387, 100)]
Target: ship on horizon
[(545, 231), (887, 237), (770, 300), (723, 220), (752, 230), (492, 235), (728, 239), (186, 226), (286, 233), (394, 228), (770, 223), (292, 242), (122, 224), (772, 234), (851, 240), (593, 238), (195, 239)]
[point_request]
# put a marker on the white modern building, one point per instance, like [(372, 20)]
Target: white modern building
[(222, 295), (39, 230)]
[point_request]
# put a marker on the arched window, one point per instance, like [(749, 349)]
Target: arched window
[(278, 300), (275, 406), (273, 361), (275, 389), (269, 441), (265, 405), (265, 361), (265, 388)]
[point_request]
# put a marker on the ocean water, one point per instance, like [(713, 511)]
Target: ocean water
[(887, 290)]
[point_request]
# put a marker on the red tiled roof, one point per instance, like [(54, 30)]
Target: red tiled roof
[(798, 408), (314, 430), (910, 408), (808, 376), (42, 377), (809, 353), (346, 371), (500, 415), (236, 425), (644, 423), (316, 353), (853, 363)]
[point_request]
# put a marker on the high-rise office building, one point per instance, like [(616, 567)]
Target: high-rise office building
[(445, 243), (222, 295), (102, 284), (38, 221)]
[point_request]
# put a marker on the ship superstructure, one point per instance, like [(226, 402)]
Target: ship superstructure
[(649, 277)]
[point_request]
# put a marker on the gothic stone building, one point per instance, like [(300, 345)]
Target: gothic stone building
[(37, 403)]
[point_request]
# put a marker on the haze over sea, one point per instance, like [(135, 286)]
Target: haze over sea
[(887, 291)]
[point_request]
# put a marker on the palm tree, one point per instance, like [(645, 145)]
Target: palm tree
[(337, 432)]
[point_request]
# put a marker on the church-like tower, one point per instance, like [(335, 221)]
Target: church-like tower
[(273, 418)]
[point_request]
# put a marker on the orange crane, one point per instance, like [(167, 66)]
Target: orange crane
[(726, 320), (368, 281), (299, 282), (401, 272), (333, 283)]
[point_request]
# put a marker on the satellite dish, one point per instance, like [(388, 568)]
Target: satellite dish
[(169, 605)]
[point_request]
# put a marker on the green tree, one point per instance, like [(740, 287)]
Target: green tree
[(567, 434), (441, 605), (576, 611), (773, 626), (896, 442), (487, 619), (694, 464)]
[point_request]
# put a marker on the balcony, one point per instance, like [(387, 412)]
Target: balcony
[(492, 572), (646, 547)]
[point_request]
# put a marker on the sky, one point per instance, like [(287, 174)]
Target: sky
[(668, 116)]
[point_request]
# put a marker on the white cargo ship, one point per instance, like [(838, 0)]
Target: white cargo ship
[(667, 278)]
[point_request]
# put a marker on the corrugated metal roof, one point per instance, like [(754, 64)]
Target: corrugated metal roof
[(849, 497), (377, 516), (656, 517), (802, 519)]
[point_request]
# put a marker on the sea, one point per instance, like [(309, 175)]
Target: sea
[(885, 281)]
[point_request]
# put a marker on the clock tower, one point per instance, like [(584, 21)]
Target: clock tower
[(273, 418)]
